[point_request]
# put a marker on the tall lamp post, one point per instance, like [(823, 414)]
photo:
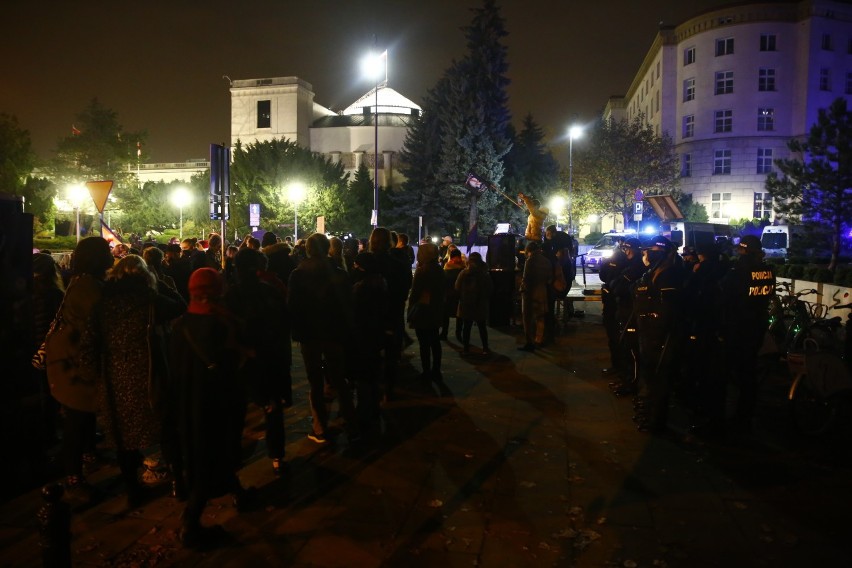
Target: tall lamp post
[(296, 194), (76, 194), (374, 66), (180, 199), (573, 132)]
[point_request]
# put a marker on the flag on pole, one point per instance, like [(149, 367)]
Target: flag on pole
[(109, 235), (138, 149), (74, 131)]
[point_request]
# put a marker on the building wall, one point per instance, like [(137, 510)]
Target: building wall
[(799, 56)]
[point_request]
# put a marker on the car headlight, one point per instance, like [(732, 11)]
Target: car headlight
[(606, 253)]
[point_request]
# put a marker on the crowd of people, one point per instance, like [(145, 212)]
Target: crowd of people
[(166, 346)]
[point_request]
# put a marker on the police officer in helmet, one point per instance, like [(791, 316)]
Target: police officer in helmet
[(747, 289), (656, 303)]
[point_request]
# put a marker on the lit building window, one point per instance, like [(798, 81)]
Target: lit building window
[(764, 160), (766, 80), (720, 204), (689, 126), (762, 205), (724, 121), (724, 82), (689, 89), (766, 119), (722, 162), (724, 46)]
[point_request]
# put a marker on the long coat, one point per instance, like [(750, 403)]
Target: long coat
[(207, 401), (122, 348), (68, 384), (474, 286), (427, 289), (535, 283)]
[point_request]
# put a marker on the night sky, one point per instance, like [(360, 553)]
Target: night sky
[(159, 65)]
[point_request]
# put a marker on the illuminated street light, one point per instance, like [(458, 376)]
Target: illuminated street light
[(557, 204), (374, 66), (573, 132), (75, 195), (296, 193), (181, 197)]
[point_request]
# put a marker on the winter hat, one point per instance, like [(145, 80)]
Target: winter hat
[(750, 244), (204, 284)]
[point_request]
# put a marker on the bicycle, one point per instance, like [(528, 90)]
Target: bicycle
[(820, 397)]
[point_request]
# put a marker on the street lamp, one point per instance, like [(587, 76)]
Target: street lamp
[(373, 66), (296, 193), (557, 204), (573, 132), (181, 197), (76, 194)]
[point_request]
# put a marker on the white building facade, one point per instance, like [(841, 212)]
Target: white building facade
[(284, 107), (732, 86)]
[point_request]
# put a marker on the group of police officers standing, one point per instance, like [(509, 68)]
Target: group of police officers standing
[(690, 325)]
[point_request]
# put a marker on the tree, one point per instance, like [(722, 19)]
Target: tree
[(358, 203), (17, 161), (616, 159), (262, 172), (530, 168), (816, 182), (463, 128), (98, 148)]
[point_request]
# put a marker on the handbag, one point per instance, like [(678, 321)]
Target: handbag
[(39, 360)]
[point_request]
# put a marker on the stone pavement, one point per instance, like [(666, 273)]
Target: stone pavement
[(519, 460)]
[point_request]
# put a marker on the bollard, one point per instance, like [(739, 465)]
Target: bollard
[(54, 522)]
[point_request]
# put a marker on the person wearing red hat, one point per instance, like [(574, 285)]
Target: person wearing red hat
[(209, 404)]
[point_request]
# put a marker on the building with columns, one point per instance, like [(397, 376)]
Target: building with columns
[(284, 107), (732, 85)]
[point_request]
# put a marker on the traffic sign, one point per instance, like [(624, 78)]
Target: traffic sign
[(637, 208), (99, 190), (638, 195)]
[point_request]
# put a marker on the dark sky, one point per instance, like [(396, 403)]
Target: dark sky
[(159, 64)]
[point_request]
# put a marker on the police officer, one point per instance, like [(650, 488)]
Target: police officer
[(657, 302), (746, 291), (609, 271), (627, 347), (703, 378)]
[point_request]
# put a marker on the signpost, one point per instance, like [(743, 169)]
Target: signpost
[(100, 190)]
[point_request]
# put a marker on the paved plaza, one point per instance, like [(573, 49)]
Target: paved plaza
[(519, 459)]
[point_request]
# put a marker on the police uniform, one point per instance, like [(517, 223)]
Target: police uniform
[(656, 298), (609, 271), (628, 341), (747, 289)]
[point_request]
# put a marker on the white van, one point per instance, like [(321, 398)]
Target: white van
[(776, 239)]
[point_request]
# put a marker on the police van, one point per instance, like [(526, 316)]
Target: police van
[(604, 249), (776, 239), (691, 234)]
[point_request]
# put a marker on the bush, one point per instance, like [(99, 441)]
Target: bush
[(823, 275), (809, 273), (796, 271), (781, 270)]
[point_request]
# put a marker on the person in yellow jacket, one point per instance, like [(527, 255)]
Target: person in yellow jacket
[(536, 218)]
